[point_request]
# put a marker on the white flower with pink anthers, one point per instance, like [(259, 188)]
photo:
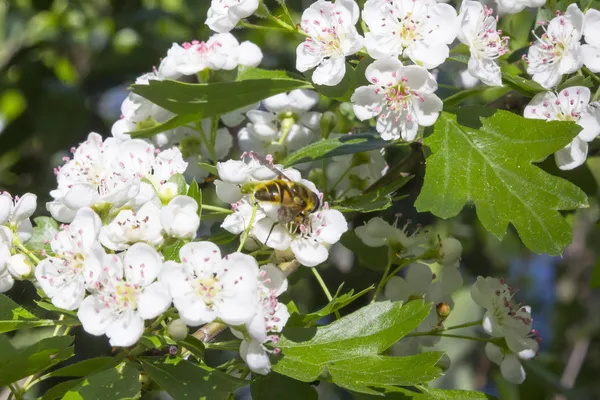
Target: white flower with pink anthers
[(558, 50), (508, 320), (571, 104), (78, 262), (478, 31), (206, 287), (129, 296), (418, 29), (15, 213), (332, 36), (269, 320), (224, 15), (401, 97), (591, 32), (220, 51)]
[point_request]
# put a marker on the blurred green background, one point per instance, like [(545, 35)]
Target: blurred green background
[(65, 67)]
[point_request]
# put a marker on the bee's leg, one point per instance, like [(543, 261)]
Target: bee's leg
[(270, 231)]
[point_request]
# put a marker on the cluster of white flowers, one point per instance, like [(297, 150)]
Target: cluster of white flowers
[(505, 319), (284, 124), (15, 227), (558, 50), (571, 104), (308, 240)]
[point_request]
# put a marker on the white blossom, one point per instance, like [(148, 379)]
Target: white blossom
[(377, 232), (286, 118), (130, 227), (332, 37), (206, 287), (180, 217), (558, 50), (418, 29), (78, 262), (19, 267), (6, 239), (401, 97), (118, 308), (515, 6), (6, 281), (571, 104), (478, 31), (224, 15), (15, 213), (591, 32)]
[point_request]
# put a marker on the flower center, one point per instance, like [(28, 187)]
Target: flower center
[(126, 296), (208, 288)]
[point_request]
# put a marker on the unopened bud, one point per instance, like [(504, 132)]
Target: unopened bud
[(19, 267), (167, 191), (177, 329), (327, 123), (145, 381), (443, 310), (450, 250)]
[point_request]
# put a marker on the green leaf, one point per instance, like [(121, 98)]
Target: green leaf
[(275, 387), (33, 359), (348, 144), (342, 91), (334, 305), (171, 249), (349, 341), (375, 259), (44, 230), (185, 380), (195, 193), (8, 326), (207, 100), (376, 200), (491, 167), (13, 316), (121, 382), (172, 123), (525, 86), (85, 367), (179, 180), (194, 345), (52, 307), (576, 80), (58, 391), (440, 394), (249, 73)]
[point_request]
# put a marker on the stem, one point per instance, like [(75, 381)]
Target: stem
[(206, 142), (57, 329), (324, 168), (591, 74), (245, 24), (217, 209), (384, 278), (465, 325), (17, 243), (14, 391), (324, 287), (477, 339), (249, 227)]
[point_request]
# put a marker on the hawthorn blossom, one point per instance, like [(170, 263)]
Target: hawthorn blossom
[(557, 51), (130, 227), (77, 264), (224, 15), (377, 232), (6, 240), (180, 217), (286, 124), (513, 322), (19, 267), (119, 307), (418, 29), (15, 213), (515, 6), (591, 32), (220, 51), (332, 37), (401, 97), (478, 31), (571, 104), (206, 287), (269, 320)]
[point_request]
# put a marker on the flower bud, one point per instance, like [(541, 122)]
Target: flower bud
[(177, 329), (444, 362), (327, 123), (167, 191), (443, 310), (450, 250), (180, 218), (19, 267)]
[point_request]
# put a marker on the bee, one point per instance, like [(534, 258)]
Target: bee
[(296, 201)]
